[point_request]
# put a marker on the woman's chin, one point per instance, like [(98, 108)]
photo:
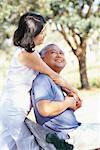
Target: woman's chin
[(40, 43)]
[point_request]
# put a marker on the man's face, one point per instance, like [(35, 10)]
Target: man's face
[(55, 59)]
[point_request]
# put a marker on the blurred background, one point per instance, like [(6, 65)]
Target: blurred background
[(74, 25)]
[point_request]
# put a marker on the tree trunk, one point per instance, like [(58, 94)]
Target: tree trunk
[(81, 55), (83, 72)]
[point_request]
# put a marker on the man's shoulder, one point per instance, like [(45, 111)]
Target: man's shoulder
[(41, 78)]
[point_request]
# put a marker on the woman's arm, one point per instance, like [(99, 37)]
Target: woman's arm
[(34, 61)]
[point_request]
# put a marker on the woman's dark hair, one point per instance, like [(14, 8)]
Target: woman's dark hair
[(29, 26)]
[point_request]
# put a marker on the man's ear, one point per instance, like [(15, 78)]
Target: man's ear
[(44, 59)]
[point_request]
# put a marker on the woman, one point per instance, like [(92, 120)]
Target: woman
[(15, 102)]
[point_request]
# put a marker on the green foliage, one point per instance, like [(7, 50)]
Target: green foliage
[(66, 12), (95, 82), (72, 13), (10, 12)]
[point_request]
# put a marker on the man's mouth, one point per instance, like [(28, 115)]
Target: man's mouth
[(59, 60)]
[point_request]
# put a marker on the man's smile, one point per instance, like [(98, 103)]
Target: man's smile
[(59, 60)]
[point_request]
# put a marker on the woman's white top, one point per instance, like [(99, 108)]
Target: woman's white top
[(15, 104), (19, 83)]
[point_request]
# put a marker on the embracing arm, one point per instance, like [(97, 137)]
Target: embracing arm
[(53, 108), (34, 61)]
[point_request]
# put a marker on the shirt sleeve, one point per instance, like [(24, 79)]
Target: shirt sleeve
[(42, 88)]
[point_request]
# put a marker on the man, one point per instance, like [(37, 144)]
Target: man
[(55, 111)]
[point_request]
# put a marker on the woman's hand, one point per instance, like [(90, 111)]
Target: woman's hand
[(70, 102), (78, 103)]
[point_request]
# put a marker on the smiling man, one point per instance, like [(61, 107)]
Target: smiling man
[(52, 109), (54, 57), (55, 111)]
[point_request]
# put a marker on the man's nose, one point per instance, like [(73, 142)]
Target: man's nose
[(59, 54)]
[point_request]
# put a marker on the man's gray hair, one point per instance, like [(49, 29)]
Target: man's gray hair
[(45, 49)]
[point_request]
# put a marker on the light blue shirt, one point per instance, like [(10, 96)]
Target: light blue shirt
[(44, 88)]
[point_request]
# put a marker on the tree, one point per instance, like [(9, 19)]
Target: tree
[(73, 18), (77, 19), (10, 13)]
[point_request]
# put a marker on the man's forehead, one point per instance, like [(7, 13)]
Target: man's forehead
[(56, 48)]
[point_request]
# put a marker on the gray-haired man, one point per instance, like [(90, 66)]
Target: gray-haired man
[(55, 111)]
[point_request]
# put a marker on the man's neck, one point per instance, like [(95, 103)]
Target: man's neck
[(56, 70)]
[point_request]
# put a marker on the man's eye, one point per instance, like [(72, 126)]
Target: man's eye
[(53, 52)]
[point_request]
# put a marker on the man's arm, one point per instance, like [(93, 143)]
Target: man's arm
[(43, 98), (53, 108), (76, 97)]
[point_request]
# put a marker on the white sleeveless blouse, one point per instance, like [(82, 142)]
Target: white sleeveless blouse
[(18, 85)]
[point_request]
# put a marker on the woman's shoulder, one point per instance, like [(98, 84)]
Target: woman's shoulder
[(18, 50), (16, 59)]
